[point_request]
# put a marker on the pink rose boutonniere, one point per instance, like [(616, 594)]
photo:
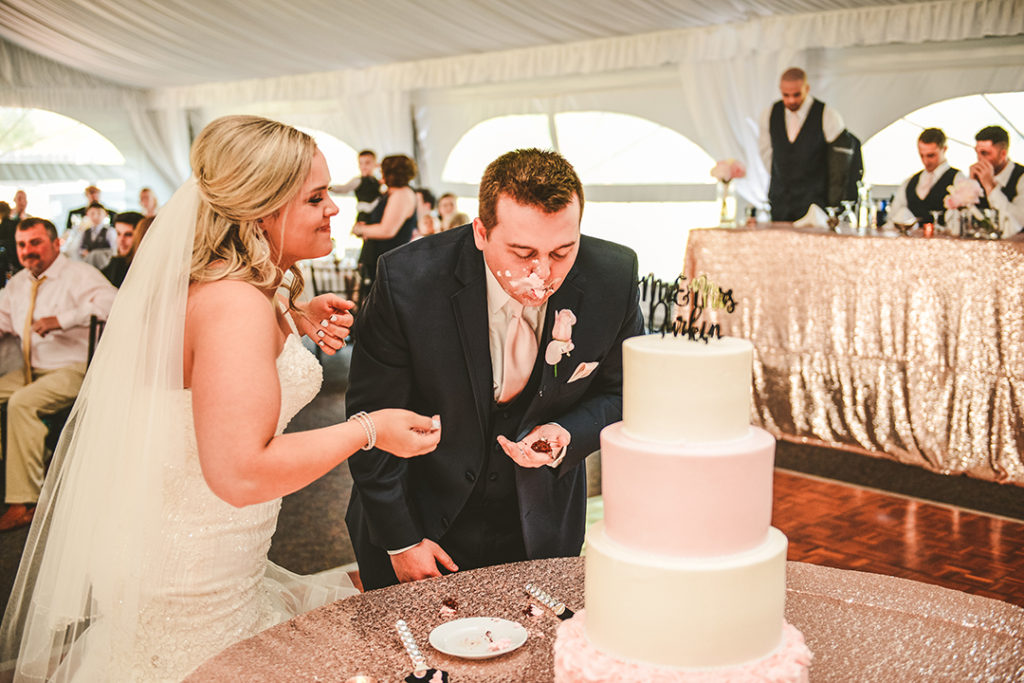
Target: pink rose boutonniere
[(561, 338)]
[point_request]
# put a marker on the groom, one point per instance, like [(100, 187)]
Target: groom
[(463, 324)]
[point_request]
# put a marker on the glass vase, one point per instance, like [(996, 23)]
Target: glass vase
[(726, 206)]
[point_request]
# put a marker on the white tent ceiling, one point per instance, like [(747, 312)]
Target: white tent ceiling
[(161, 43), (413, 76)]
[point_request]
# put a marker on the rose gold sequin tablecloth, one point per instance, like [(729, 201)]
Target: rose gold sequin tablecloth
[(901, 347), (860, 627)]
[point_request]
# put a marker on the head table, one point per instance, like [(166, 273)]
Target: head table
[(908, 348), (863, 627)]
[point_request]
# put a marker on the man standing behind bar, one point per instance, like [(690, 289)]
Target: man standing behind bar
[(924, 191), (999, 177), (511, 329), (795, 134)]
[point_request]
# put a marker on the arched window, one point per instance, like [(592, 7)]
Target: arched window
[(645, 185), (890, 156), (53, 158)]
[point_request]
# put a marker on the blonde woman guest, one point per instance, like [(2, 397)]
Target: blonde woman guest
[(446, 210), (150, 554)]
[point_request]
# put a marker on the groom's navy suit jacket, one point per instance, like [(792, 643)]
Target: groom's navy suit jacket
[(421, 342)]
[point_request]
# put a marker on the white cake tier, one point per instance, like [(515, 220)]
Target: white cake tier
[(674, 389), (685, 612), (687, 500)]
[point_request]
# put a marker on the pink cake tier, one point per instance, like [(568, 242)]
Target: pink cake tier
[(684, 499), (578, 661)]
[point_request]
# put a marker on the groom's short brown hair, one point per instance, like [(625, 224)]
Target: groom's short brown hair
[(530, 177)]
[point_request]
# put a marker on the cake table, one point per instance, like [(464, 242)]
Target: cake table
[(864, 627)]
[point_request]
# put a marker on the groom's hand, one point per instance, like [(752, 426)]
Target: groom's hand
[(526, 455), (420, 562)]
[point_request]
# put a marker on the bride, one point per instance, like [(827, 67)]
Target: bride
[(148, 553)]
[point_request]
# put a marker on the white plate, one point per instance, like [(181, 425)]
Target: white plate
[(474, 637)]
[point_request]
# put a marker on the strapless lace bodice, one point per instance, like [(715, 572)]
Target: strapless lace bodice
[(209, 587)]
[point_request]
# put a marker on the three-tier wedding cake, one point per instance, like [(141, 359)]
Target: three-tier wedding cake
[(685, 577)]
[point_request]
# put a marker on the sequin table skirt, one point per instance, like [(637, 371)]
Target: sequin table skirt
[(860, 627), (906, 348)]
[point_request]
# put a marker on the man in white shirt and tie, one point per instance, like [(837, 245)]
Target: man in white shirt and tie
[(510, 329), (48, 304), (1001, 178), (794, 139), (924, 192)]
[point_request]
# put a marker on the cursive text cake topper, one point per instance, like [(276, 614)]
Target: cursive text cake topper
[(677, 306)]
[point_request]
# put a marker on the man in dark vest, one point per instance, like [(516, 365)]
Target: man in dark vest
[(365, 186), (472, 324), (1002, 179), (923, 192), (795, 134)]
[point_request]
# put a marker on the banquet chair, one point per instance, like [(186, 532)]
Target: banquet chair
[(332, 276)]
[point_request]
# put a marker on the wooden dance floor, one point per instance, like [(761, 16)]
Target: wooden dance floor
[(849, 527)]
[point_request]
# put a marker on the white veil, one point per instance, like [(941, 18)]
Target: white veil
[(81, 575)]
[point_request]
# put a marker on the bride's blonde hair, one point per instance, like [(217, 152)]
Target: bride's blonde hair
[(246, 167)]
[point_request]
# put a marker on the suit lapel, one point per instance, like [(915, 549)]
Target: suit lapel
[(470, 306)]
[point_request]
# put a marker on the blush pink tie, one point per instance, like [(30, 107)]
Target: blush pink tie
[(520, 354)]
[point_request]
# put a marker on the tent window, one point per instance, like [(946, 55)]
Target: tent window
[(890, 156), (53, 158), (35, 136), (645, 184)]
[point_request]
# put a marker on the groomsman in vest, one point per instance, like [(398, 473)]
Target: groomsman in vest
[(795, 134), (1001, 178), (76, 216), (510, 329), (924, 191), (48, 304)]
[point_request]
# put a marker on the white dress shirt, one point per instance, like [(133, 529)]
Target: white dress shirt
[(1011, 213), (498, 318), (924, 186), (73, 292), (831, 123)]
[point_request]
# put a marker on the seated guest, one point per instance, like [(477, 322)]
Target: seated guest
[(76, 216), (426, 222), (125, 225), (999, 177), (48, 304), (458, 218), (447, 207), (93, 234), (924, 191)]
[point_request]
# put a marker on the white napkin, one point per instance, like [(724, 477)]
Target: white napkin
[(814, 218), (903, 217)]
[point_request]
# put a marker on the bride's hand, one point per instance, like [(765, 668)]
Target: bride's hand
[(404, 433), (332, 310)]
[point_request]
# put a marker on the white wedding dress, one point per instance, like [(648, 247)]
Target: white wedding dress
[(212, 585)]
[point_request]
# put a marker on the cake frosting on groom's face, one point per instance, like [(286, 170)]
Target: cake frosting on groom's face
[(531, 202), (530, 251)]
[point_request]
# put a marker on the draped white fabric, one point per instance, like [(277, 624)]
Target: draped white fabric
[(440, 67)]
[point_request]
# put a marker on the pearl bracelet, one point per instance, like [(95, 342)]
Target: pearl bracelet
[(367, 424)]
